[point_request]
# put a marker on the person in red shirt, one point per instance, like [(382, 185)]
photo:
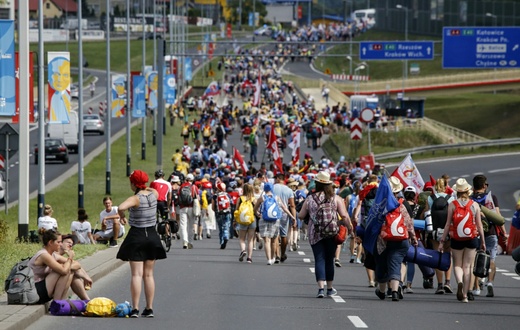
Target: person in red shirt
[(164, 188), (246, 131)]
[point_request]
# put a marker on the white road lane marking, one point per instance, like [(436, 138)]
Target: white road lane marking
[(516, 277), (510, 274), (312, 269), (306, 260), (357, 322), (301, 253), (338, 299), (501, 270), (504, 170)]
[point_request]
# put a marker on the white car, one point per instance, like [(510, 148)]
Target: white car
[(74, 91), (93, 123)]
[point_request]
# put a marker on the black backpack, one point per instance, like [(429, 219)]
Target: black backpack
[(439, 211), (185, 196)]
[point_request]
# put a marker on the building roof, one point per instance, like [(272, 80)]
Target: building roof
[(68, 5)]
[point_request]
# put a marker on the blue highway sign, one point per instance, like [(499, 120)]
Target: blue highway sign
[(480, 47), (396, 50)]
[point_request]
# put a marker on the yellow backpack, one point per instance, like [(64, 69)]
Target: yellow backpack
[(102, 307), (204, 199), (245, 214)]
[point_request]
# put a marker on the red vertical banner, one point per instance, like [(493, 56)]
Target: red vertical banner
[(228, 31), (300, 14), (16, 117), (211, 49)]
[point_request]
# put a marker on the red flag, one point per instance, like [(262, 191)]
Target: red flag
[(273, 146), (239, 161), (432, 180)]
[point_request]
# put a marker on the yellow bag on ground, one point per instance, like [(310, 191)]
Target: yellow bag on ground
[(101, 307)]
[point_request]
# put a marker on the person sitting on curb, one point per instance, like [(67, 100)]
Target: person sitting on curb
[(51, 278), (112, 227), (81, 282), (82, 229)]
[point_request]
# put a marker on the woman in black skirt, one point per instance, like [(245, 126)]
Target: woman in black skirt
[(142, 246)]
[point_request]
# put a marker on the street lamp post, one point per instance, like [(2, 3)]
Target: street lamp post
[(368, 69), (349, 58), (360, 67), (405, 62)]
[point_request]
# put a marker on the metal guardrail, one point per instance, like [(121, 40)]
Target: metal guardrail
[(440, 147)]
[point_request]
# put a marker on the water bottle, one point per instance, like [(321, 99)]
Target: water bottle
[(428, 219)]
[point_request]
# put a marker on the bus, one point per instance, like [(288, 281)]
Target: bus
[(368, 16)]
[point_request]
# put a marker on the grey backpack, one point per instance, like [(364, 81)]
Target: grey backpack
[(19, 285)]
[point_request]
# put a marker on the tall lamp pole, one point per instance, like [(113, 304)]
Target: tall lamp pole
[(405, 62), (361, 67), (108, 110)]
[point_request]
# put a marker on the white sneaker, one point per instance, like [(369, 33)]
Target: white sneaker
[(476, 292)]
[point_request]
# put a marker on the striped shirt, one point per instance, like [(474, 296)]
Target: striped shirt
[(144, 215)]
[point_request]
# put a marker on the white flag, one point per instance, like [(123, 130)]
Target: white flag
[(408, 174)]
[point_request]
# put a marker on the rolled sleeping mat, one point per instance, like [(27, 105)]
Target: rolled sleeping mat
[(419, 224), (360, 231), (427, 257), (516, 254), (68, 307), (492, 216), (481, 264)]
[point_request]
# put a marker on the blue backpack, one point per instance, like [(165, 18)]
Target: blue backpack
[(270, 209)]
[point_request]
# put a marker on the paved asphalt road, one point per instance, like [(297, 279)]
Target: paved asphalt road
[(208, 288)]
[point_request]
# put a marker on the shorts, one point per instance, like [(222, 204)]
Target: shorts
[(461, 245), (110, 233), (244, 227), (491, 246), (269, 228), (41, 289), (284, 225), (141, 244)]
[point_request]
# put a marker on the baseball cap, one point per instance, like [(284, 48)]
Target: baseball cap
[(190, 177), (175, 179), (411, 189)]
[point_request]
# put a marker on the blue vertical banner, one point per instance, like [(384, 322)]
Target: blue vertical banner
[(138, 97), (7, 69), (170, 88), (187, 69), (59, 79)]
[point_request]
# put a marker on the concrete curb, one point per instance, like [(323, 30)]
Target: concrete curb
[(15, 317)]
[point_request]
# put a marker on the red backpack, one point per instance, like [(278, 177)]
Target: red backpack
[(393, 228), (223, 203), (463, 226)]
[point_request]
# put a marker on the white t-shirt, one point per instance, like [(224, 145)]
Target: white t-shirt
[(81, 230), (47, 222), (104, 214)]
